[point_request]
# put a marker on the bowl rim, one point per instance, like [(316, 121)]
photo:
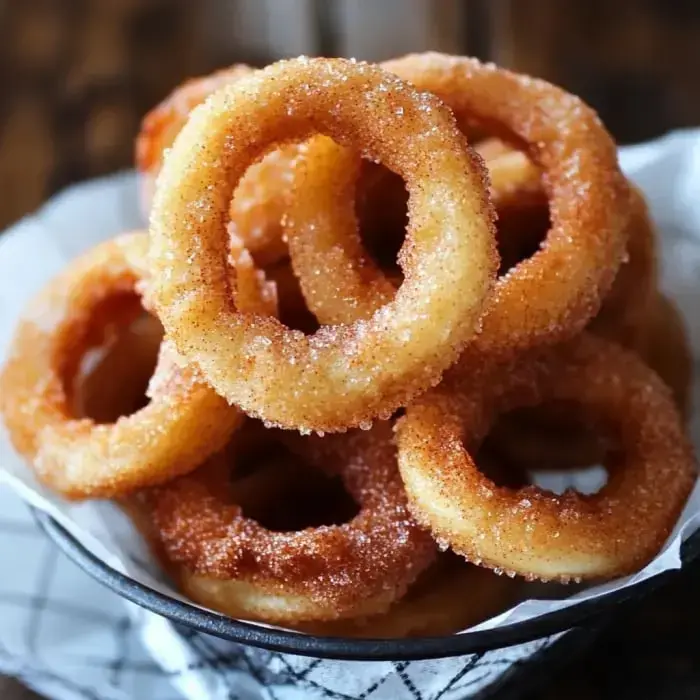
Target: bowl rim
[(351, 649)]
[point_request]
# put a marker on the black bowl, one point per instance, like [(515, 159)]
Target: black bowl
[(586, 613)]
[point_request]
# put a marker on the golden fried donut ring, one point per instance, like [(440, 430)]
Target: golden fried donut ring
[(530, 531), (547, 297), (449, 597), (184, 421), (258, 204), (516, 189), (378, 364), (231, 563)]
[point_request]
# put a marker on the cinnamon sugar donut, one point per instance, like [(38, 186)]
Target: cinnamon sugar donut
[(376, 364), (529, 531), (184, 421), (231, 563)]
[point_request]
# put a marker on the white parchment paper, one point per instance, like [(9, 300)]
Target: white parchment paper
[(667, 170)]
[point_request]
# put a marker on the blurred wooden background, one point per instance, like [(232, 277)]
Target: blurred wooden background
[(77, 75)]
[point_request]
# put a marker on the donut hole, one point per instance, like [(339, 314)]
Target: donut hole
[(521, 204), (557, 446), (117, 361), (521, 229), (381, 207), (292, 308), (498, 469), (585, 480), (282, 493)]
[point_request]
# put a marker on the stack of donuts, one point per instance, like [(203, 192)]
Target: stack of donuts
[(371, 300)]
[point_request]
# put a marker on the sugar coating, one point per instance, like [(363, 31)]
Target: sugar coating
[(326, 572), (530, 531), (624, 313), (370, 364)]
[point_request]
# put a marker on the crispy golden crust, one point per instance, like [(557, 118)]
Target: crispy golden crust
[(184, 421), (376, 365), (230, 562), (529, 531)]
